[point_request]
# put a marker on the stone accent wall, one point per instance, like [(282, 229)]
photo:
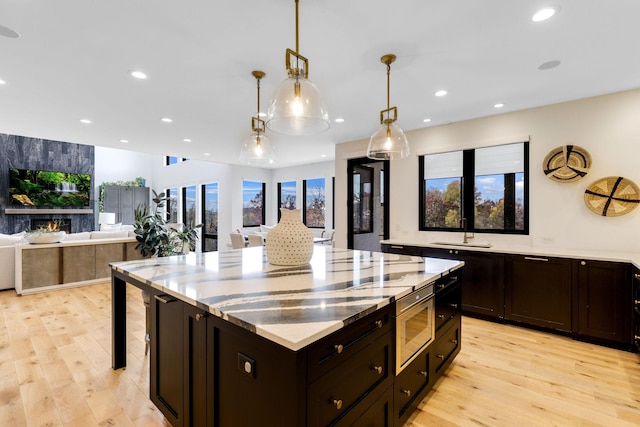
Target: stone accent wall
[(23, 152)]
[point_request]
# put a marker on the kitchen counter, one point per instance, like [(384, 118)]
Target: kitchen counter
[(292, 306), (310, 345), (550, 251)]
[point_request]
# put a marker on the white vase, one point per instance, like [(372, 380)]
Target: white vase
[(290, 242)]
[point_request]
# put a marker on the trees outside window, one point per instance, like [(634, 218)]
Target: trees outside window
[(314, 202), (252, 203), (486, 186), (210, 217), (189, 205)]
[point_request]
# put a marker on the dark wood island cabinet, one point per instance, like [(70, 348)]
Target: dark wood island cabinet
[(307, 346)]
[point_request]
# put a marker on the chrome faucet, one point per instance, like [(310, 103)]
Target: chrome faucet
[(467, 236)]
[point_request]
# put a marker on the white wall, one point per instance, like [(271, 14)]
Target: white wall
[(298, 173), (607, 126)]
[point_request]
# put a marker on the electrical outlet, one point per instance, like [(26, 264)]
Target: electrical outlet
[(246, 365)]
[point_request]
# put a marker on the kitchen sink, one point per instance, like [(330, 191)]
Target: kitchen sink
[(460, 244)]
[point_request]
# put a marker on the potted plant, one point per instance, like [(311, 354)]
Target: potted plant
[(155, 237)]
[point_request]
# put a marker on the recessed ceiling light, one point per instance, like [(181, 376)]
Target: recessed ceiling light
[(124, 141), (186, 140), (2, 82), (207, 154), (543, 14), (8, 32), (138, 74), (498, 105), (441, 93), (548, 65), (85, 121), (323, 155), (166, 120), (427, 120), (339, 120)]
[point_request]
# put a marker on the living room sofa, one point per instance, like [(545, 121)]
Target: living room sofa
[(12, 247)]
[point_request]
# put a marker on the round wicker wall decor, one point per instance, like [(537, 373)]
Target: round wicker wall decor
[(568, 163), (612, 196)]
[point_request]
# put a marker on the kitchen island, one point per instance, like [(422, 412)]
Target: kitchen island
[(237, 341)]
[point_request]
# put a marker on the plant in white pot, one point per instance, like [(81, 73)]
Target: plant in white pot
[(156, 238)]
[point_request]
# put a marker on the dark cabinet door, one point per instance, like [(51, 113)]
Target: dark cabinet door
[(167, 361), (538, 291), (604, 301), (482, 280), (180, 367)]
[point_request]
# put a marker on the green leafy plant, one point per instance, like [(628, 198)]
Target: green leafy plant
[(155, 237)]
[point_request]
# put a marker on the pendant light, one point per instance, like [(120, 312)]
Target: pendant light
[(297, 107), (258, 150), (389, 141)]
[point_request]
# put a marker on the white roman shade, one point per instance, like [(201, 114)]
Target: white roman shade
[(500, 159), (443, 165)]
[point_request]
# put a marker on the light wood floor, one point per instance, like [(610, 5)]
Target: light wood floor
[(55, 370)]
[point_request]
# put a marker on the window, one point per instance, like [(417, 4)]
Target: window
[(189, 206), (362, 199), (314, 202), (496, 202), (286, 195), (210, 217), (172, 205), (252, 203), (170, 160)]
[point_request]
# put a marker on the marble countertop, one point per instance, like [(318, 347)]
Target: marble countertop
[(549, 251), (293, 306)]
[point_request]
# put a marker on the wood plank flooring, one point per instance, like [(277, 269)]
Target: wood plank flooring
[(55, 370)]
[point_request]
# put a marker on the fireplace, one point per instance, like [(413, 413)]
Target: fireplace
[(57, 224)]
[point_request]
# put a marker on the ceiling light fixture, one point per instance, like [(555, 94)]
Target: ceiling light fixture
[(498, 105), (124, 141), (543, 14), (2, 82), (389, 141), (186, 140), (138, 74), (339, 120), (166, 120), (297, 107), (427, 120), (257, 149), (85, 121), (441, 93)]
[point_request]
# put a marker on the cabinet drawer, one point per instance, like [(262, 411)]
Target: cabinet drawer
[(333, 350), (376, 414), (411, 381), (447, 345), (447, 306), (336, 393)]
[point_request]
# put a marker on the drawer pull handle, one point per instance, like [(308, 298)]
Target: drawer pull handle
[(164, 299), (200, 316), (441, 316), (454, 341), (453, 305), (637, 337), (440, 285), (378, 323), (583, 263), (637, 275), (533, 258), (424, 373), (338, 348), (405, 391), (440, 356), (377, 369), (397, 247), (337, 403)]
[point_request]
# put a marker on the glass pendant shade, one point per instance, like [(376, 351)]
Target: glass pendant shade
[(387, 143), (258, 150), (297, 108)]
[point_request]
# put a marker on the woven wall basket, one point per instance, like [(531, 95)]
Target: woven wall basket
[(568, 163), (612, 196)]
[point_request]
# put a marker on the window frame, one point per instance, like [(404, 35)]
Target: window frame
[(184, 205), (467, 207), (264, 199), (280, 196), (304, 203), (203, 213)]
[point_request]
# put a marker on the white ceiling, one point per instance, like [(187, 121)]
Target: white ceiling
[(72, 60)]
